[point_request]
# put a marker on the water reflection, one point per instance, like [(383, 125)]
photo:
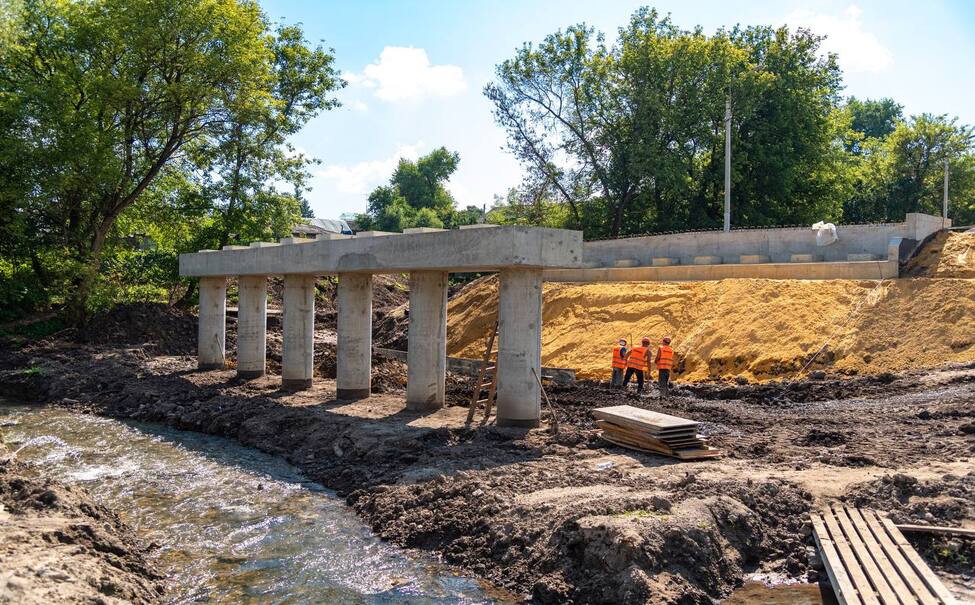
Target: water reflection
[(232, 525)]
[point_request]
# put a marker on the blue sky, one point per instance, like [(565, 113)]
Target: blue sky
[(416, 70)]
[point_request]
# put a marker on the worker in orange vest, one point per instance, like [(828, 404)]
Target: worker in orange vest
[(665, 363), (638, 362), (619, 362)]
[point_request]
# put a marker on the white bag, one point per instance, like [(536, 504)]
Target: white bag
[(825, 233)]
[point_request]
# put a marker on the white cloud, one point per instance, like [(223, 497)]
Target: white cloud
[(858, 49), (405, 74), (362, 177), (359, 106)]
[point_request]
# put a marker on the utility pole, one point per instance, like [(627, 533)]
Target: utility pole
[(727, 164), (944, 210)]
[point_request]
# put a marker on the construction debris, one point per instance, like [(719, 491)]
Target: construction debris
[(869, 561), (653, 432)]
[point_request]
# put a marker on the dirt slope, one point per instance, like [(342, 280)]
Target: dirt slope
[(756, 328), (948, 254)]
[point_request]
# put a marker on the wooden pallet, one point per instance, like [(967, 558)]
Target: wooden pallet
[(653, 432), (869, 562)]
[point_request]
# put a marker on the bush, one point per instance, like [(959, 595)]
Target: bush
[(20, 292)]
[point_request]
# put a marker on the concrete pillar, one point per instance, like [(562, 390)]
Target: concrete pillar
[(519, 347), (353, 378), (426, 356), (212, 335), (298, 348), (251, 326)]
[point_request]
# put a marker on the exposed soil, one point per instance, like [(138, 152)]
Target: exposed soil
[(568, 518), (57, 545), (759, 329), (946, 254)]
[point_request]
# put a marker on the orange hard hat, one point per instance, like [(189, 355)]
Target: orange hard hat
[(666, 340), (645, 340)]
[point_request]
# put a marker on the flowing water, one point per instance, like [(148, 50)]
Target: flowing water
[(230, 524)]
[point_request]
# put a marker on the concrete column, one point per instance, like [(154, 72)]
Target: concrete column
[(426, 356), (519, 347), (212, 335), (251, 326), (353, 378), (298, 348)]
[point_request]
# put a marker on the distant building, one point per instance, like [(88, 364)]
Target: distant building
[(310, 227)]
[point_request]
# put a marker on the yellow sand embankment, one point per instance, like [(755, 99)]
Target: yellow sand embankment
[(757, 328), (948, 254)]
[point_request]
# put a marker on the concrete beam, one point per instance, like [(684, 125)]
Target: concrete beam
[(298, 348), (460, 250), (426, 369), (519, 347), (251, 326), (212, 335), (353, 378)]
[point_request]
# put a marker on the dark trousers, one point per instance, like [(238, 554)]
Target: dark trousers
[(617, 377), (663, 382), (639, 378)]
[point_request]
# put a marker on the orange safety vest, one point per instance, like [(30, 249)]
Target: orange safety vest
[(618, 360), (637, 359), (665, 358)]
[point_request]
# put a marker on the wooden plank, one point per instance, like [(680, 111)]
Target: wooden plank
[(904, 569), (682, 455), (617, 429), (640, 419), (860, 581), (936, 529), (840, 581), (904, 594), (870, 568), (922, 569)]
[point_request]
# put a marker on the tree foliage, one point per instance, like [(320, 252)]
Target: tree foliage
[(180, 106), (417, 196), (628, 137)]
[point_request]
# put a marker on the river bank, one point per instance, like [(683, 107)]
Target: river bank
[(565, 517), (58, 545)]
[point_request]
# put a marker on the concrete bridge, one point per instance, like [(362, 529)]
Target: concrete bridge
[(519, 254)]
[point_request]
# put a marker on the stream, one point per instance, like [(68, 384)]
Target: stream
[(231, 524)]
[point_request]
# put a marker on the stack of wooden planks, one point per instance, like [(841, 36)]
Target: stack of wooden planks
[(870, 563), (653, 432)]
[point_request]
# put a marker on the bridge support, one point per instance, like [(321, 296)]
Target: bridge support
[(353, 378), (298, 348), (427, 349), (212, 330), (251, 326), (519, 347)]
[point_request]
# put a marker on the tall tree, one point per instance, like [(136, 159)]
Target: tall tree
[(416, 196), (630, 136), (100, 99)]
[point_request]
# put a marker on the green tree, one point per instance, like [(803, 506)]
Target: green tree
[(100, 100), (416, 195), (874, 118), (904, 172), (630, 136)]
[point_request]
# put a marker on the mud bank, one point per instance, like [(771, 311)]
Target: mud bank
[(58, 546), (560, 518)]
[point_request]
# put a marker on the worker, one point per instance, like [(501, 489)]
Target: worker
[(638, 362), (665, 363), (619, 362)]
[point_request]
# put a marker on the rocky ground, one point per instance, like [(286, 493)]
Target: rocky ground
[(567, 517), (57, 545)]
